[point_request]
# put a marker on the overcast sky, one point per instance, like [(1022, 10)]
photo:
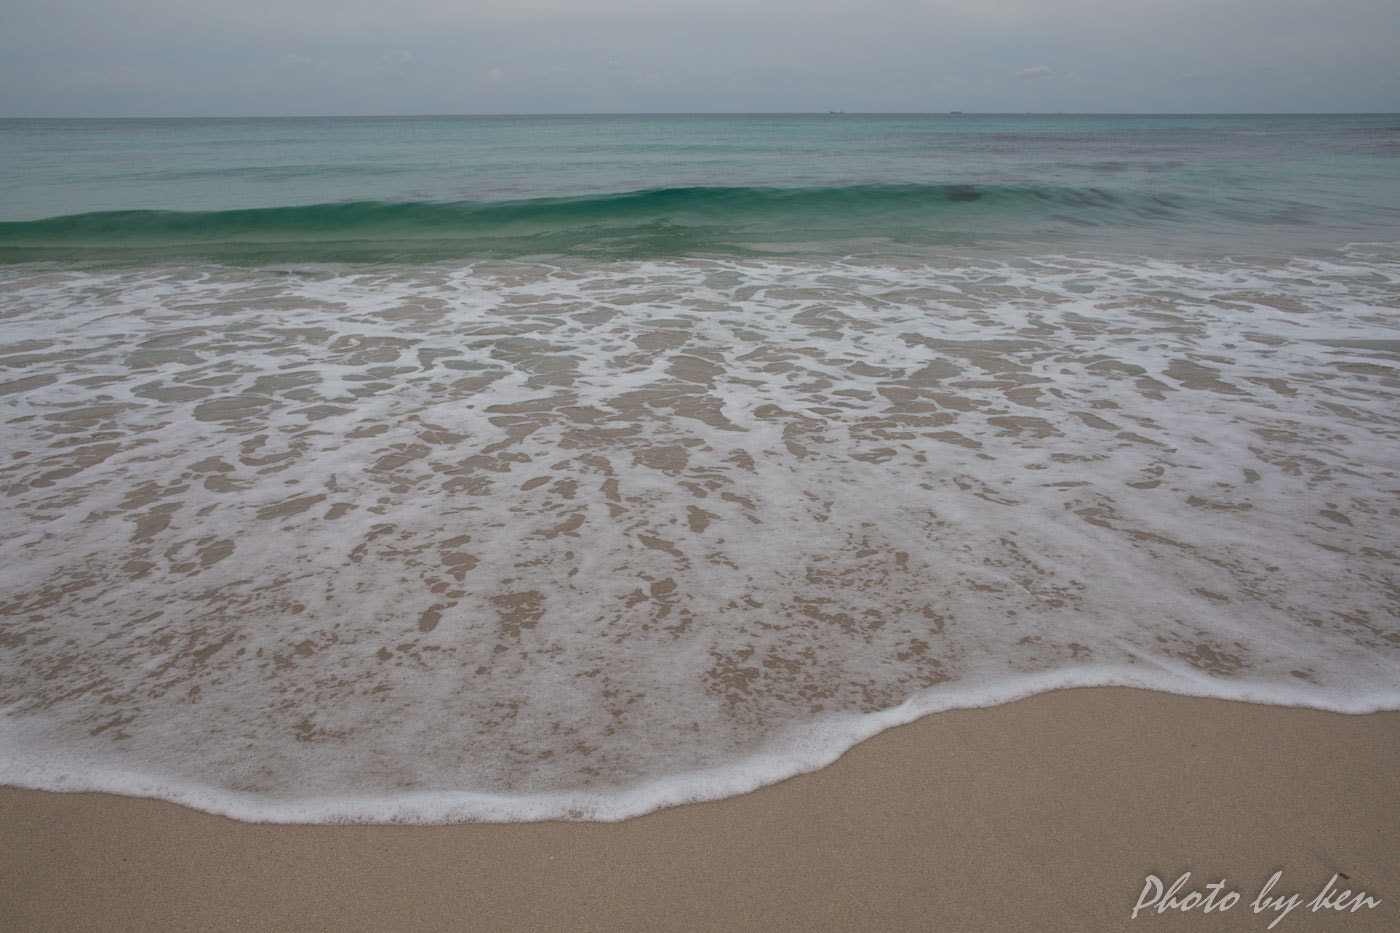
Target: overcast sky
[(302, 57)]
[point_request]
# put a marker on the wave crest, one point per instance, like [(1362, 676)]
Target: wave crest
[(631, 224)]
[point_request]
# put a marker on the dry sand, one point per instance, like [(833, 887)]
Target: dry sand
[(1045, 814)]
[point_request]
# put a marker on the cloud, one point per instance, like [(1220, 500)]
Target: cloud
[(396, 64), (1035, 71), (290, 62)]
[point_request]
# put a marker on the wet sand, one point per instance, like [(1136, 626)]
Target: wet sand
[(1045, 814)]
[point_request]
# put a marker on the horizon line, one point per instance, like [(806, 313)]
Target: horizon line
[(723, 113)]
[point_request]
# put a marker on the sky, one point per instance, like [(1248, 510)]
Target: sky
[(123, 58)]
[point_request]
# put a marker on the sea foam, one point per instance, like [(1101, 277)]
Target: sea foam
[(528, 540)]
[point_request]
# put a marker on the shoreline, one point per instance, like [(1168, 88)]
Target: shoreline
[(1046, 813)]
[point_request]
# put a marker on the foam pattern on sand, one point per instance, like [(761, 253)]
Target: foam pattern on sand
[(521, 540)]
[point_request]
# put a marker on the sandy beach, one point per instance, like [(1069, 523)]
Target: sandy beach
[(1045, 814)]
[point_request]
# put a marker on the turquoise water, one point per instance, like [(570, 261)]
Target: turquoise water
[(426, 469), (464, 187)]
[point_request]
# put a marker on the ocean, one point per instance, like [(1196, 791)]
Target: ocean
[(428, 469)]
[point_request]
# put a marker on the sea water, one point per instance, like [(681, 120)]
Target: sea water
[(428, 469)]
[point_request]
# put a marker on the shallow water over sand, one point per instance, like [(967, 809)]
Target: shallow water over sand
[(518, 540)]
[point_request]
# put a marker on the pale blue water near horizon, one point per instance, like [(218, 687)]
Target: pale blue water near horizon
[(441, 468)]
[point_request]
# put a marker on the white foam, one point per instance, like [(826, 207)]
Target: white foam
[(524, 542)]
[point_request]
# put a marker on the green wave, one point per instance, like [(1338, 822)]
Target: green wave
[(655, 222)]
